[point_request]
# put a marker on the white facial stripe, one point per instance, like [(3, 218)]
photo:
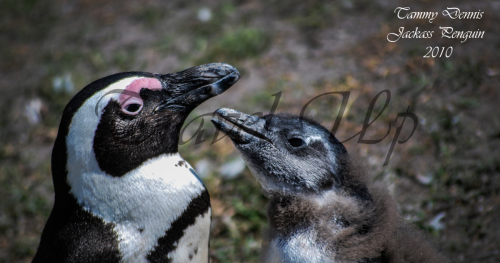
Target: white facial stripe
[(144, 202), (84, 124), (314, 138)]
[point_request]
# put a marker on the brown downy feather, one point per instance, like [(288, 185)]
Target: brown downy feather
[(354, 229)]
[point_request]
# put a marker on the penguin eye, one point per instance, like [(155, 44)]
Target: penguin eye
[(296, 142), (132, 108)]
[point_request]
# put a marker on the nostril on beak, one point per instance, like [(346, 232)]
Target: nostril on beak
[(220, 70), (210, 74)]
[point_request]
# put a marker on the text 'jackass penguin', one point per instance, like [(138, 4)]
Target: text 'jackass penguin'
[(122, 192), (321, 208)]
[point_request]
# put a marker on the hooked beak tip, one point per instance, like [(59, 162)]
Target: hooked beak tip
[(191, 87)]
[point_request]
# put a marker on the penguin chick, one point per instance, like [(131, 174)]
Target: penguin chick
[(321, 208), (119, 194)]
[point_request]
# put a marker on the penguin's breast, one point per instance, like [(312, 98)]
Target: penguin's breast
[(300, 247), (161, 210)]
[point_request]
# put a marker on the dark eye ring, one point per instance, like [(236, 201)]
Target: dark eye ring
[(133, 107), (296, 142)]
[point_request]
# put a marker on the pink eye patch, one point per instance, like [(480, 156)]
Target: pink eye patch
[(130, 100)]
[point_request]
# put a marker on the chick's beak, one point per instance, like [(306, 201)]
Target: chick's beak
[(244, 129)]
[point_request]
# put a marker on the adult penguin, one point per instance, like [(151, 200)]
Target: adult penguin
[(122, 191)]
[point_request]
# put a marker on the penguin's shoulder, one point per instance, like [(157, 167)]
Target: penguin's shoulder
[(73, 234)]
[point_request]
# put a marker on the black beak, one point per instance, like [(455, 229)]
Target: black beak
[(191, 87), (244, 127)]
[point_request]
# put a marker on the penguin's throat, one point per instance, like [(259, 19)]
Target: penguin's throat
[(161, 187)]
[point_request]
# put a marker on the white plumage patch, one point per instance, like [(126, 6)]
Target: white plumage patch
[(144, 202), (192, 247), (299, 248)]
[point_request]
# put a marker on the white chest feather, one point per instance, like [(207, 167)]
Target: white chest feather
[(300, 248)]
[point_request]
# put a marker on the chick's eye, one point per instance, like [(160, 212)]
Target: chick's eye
[(296, 142), (133, 108)]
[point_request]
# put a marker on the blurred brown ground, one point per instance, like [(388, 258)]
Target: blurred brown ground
[(445, 178)]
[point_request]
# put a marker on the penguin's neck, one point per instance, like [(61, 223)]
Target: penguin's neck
[(162, 184), (170, 143), (334, 225), (293, 235), (291, 213)]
